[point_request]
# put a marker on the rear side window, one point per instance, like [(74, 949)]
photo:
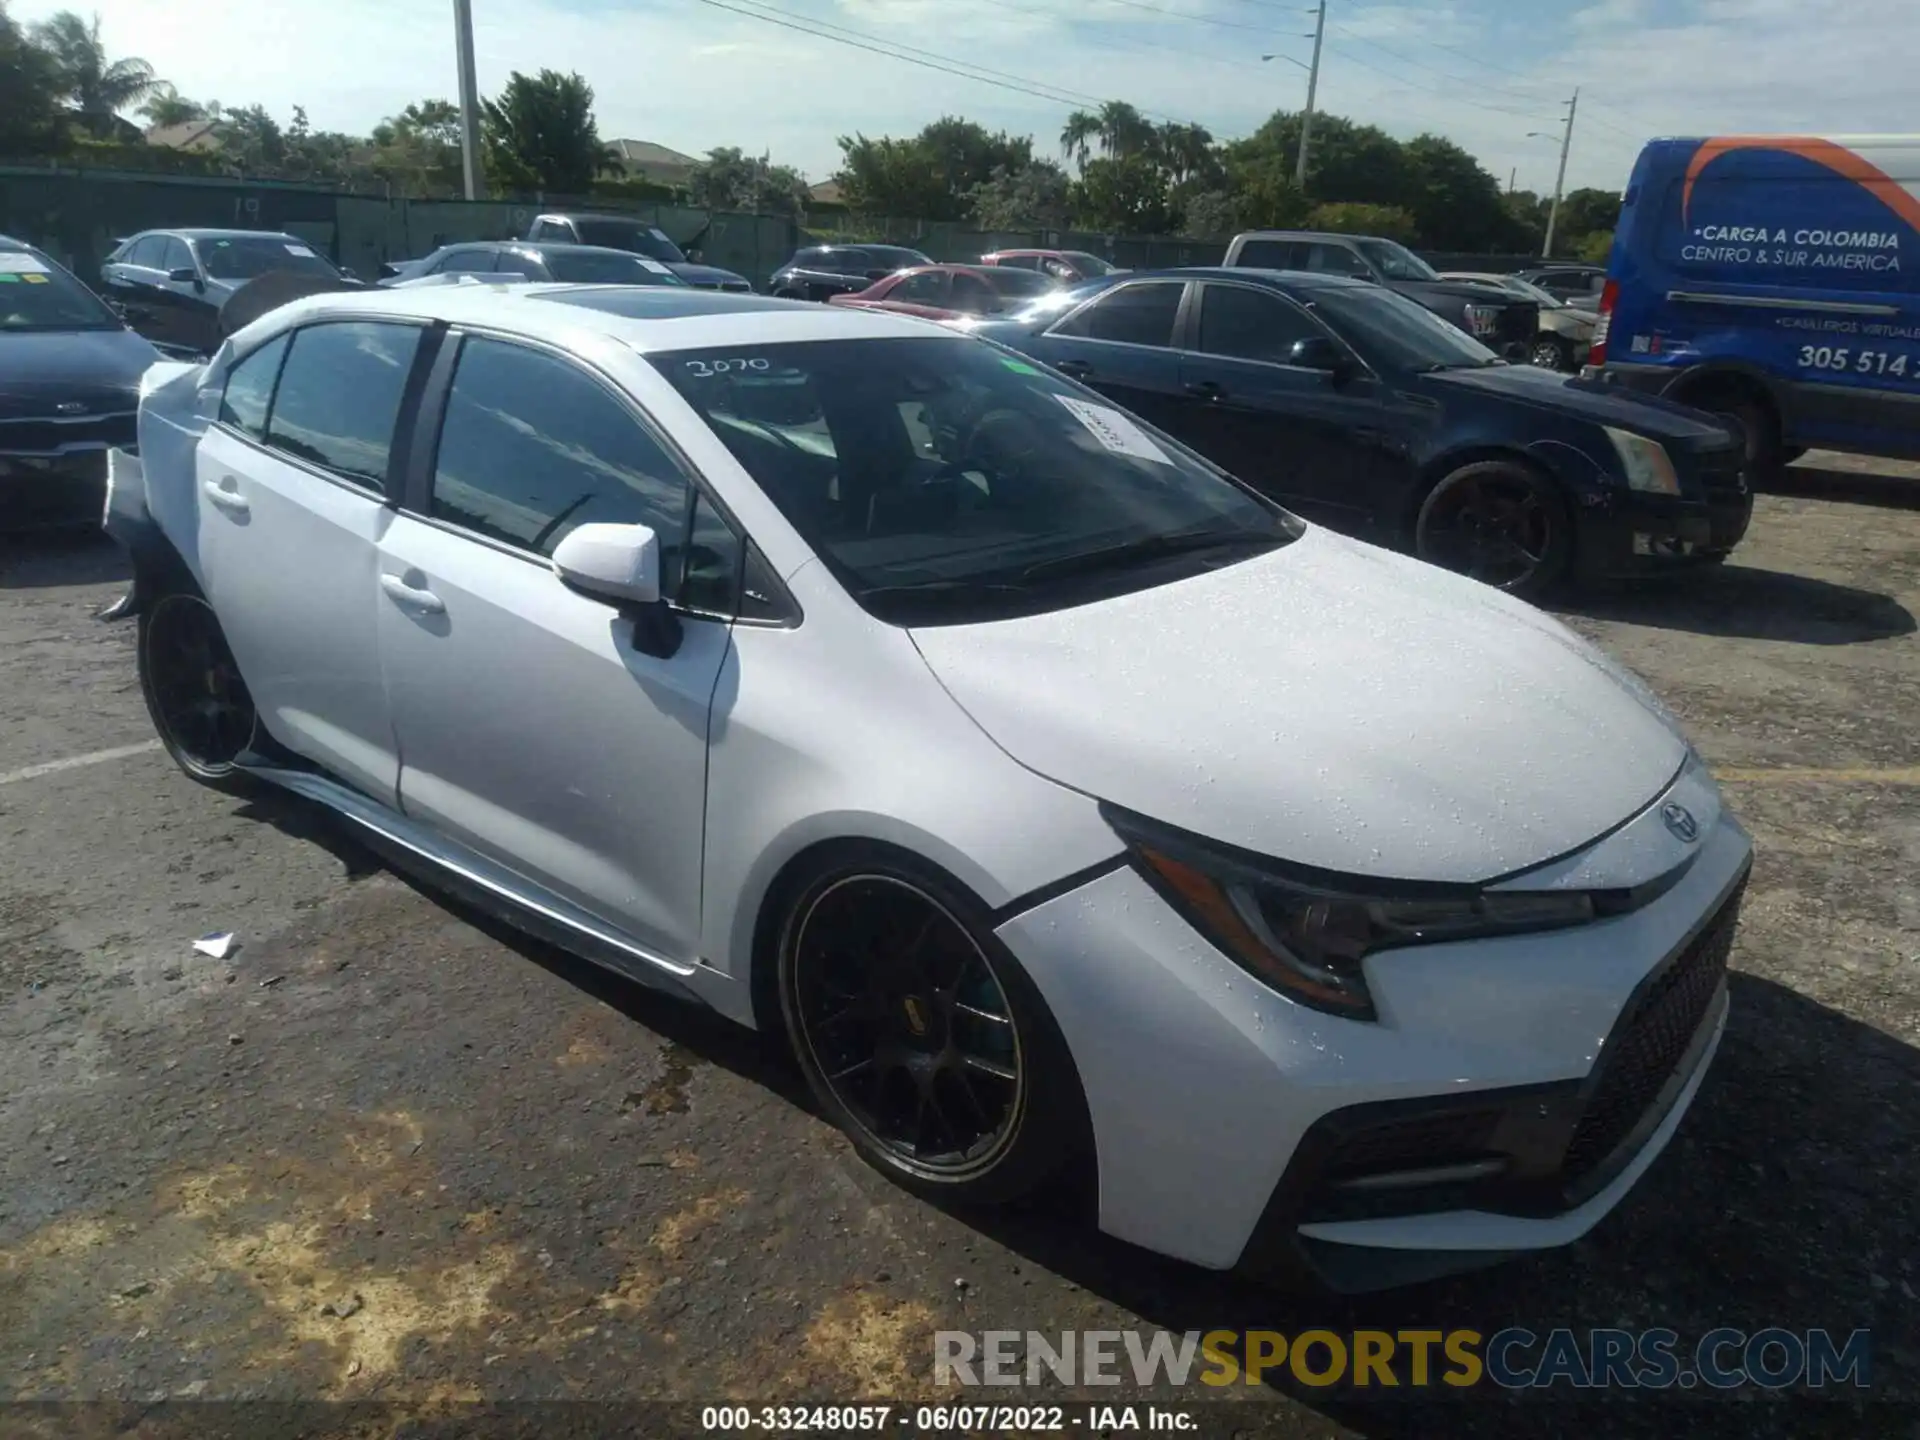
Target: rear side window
[(466, 262), (1269, 255), (532, 446), (339, 396), (1131, 315), (250, 389), (176, 256)]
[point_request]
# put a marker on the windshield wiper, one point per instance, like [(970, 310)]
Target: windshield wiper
[(1151, 547), (946, 589)]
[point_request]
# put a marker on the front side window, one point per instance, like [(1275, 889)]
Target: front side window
[(942, 479), (339, 396), (245, 257), (250, 389), (929, 288), (1131, 315), (532, 446), (176, 256), (147, 253), (1396, 262), (1089, 265), (464, 262), (1402, 333), (1246, 324)]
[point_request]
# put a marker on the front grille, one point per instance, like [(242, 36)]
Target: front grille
[(52, 437), (1648, 1043), (738, 286), (1442, 1138)]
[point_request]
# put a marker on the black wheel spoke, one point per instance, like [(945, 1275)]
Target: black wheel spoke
[(985, 1066)]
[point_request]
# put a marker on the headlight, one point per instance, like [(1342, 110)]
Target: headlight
[(1645, 461), (1306, 935), (1482, 319)]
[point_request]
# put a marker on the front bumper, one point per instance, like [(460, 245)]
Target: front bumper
[(1214, 1101), (1624, 531), (48, 492)]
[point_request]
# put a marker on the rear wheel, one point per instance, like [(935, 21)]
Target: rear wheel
[(1766, 450), (1500, 522), (199, 704), (1551, 352), (921, 1037)]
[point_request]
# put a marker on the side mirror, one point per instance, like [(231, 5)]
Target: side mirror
[(621, 563), (185, 274), (1317, 352)]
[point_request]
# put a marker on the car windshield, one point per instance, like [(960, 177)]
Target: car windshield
[(584, 267), (946, 480), (629, 235), (36, 295), (1088, 265), (1021, 285), (244, 257), (1405, 335), (1395, 261)]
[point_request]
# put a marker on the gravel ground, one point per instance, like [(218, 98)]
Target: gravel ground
[(387, 1152)]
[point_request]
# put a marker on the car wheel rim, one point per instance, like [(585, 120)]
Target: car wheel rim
[(202, 702), (1546, 356), (908, 1026), (1495, 528)]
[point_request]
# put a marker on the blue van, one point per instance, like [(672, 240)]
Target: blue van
[(1774, 279)]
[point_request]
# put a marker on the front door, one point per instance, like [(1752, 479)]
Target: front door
[(133, 284), (532, 725), (1122, 345), (1316, 443), (292, 502)]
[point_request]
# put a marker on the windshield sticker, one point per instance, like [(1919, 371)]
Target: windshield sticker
[(654, 265), (1114, 430), (21, 263), (1019, 367), (8, 279), (33, 279), (705, 368), (301, 250)]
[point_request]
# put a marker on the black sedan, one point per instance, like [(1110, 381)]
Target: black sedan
[(1357, 407), (816, 272), (69, 389), (534, 260), (170, 284)]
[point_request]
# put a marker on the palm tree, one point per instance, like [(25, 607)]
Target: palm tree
[(167, 106), (1076, 138), (1123, 130), (1184, 151), (96, 88)]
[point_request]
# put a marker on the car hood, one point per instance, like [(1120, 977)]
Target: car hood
[(1330, 704), (1650, 415), (1457, 290), (706, 274), (98, 368)]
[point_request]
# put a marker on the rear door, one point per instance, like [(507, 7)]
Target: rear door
[(293, 484), (533, 726), (1122, 344), (132, 285)]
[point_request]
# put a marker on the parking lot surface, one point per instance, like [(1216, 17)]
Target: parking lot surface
[(384, 1150)]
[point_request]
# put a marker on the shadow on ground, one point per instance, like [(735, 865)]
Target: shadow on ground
[(1747, 602), (60, 557), (1852, 487)]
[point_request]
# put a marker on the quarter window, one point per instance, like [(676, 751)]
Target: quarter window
[(1131, 315), (339, 396), (250, 389), (1249, 324), (176, 256), (532, 446)]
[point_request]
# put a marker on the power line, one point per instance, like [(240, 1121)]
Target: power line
[(1154, 47)]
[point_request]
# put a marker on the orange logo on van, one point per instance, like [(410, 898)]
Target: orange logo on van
[(1837, 158)]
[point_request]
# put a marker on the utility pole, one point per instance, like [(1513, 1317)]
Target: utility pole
[(1560, 181), (1513, 177), (1313, 84), (469, 98)]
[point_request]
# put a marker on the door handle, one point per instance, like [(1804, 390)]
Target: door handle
[(1207, 390), (412, 597), (1079, 369), (225, 492)]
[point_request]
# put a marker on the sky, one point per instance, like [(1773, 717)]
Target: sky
[(1492, 75)]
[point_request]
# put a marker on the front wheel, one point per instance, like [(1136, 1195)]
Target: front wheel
[(922, 1038), (1498, 521), (1551, 352), (200, 706)]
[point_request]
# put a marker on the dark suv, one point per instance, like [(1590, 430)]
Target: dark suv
[(1495, 318), (818, 271)]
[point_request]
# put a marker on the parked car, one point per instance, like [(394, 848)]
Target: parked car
[(1568, 283), (1772, 279), (1354, 405), (623, 232), (1486, 312), (950, 292), (169, 285), (69, 384), (1066, 266), (530, 260), (1565, 333), (817, 272), (1417, 898)]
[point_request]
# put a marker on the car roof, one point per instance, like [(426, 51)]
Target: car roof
[(594, 215), (204, 233), (543, 247), (1279, 279), (644, 317)]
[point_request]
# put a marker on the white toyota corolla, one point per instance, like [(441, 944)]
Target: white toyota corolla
[(1059, 800)]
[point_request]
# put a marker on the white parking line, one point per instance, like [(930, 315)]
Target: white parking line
[(75, 762)]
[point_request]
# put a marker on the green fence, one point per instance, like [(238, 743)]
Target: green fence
[(78, 215)]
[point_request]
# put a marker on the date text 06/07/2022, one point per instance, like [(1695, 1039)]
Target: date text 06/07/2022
[(940, 1419)]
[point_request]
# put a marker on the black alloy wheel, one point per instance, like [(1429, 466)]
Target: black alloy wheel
[(1498, 521), (921, 1038), (195, 695), (1551, 352)]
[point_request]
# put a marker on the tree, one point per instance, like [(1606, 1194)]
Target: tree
[(1455, 200), (167, 106), (1126, 194), (1353, 217), (31, 121), (1584, 212), (251, 141), (931, 175), (1186, 153), (1033, 197), (417, 152), (540, 135), (1595, 247), (731, 180), (97, 88)]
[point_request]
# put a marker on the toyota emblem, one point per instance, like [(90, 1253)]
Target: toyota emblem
[(1681, 822)]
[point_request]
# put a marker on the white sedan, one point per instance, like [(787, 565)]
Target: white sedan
[(1061, 802)]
